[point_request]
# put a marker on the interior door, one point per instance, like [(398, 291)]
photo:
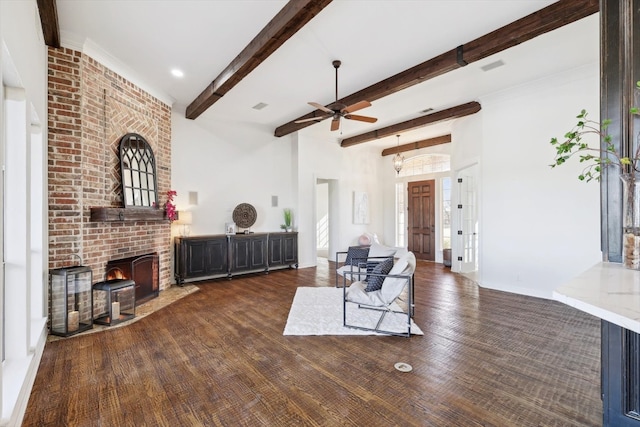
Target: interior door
[(421, 224)]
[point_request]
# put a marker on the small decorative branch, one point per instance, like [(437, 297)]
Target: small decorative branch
[(169, 207), (599, 157)]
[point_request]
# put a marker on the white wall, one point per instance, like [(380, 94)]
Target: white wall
[(230, 163), (353, 169), (234, 164), (539, 226)]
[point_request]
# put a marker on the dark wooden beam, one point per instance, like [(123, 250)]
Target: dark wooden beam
[(429, 119), (550, 18), (416, 145), (49, 20), (286, 23), (531, 26)]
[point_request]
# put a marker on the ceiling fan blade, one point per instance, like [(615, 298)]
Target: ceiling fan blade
[(357, 106), (335, 123), (310, 119), (320, 107), (361, 118)]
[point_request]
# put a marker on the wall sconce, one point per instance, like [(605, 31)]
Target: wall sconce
[(398, 159), (185, 218)]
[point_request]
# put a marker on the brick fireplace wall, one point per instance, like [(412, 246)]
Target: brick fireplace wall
[(89, 109)]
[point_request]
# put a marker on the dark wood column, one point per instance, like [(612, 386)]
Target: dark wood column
[(620, 69)]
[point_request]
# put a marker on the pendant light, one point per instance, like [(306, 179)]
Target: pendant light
[(398, 159)]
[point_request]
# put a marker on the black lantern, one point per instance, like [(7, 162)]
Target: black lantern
[(115, 301), (70, 300)]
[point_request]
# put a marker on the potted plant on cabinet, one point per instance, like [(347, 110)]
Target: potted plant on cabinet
[(600, 157), (287, 220)]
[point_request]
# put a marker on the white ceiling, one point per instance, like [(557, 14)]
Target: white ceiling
[(145, 39)]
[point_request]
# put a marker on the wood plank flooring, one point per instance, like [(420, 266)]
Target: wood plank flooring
[(217, 357)]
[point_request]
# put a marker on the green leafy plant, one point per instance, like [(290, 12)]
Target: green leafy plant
[(288, 215), (595, 158)]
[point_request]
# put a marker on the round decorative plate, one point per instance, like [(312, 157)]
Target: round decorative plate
[(244, 215)]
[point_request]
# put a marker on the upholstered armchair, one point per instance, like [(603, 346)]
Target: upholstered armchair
[(379, 290), (357, 258)]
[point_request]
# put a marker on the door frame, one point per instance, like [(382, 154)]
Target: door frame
[(334, 215), (435, 202), (473, 170)]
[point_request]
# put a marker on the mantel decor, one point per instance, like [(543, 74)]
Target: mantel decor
[(139, 186), (244, 215)]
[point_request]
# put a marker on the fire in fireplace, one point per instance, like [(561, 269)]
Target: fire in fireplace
[(142, 269)]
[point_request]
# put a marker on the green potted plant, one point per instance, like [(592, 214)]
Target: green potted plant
[(599, 157), (287, 219)]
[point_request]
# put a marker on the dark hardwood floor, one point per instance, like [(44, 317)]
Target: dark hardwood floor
[(218, 358)]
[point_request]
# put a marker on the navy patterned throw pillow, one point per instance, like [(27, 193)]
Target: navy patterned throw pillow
[(375, 282), (356, 255), (370, 266)]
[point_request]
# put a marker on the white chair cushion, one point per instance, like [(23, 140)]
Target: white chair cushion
[(356, 293), (400, 252), (392, 286), (348, 267), (378, 250)]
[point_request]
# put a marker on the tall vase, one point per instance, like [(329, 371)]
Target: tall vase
[(631, 220)]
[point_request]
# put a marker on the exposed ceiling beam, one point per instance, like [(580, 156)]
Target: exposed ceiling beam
[(416, 145), (293, 16), (49, 20), (547, 19), (429, 119)]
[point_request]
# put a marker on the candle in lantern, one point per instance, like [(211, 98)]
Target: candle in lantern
[(73, 321), (115, 310)]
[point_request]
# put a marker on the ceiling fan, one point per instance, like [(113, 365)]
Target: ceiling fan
[(338, 110)]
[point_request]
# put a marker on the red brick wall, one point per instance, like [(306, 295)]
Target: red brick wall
[(90, 109)]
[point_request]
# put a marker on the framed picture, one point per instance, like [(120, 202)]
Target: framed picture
[(360, 207), (230, 227)]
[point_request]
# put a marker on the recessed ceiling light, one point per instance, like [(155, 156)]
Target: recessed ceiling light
[(177, 73)]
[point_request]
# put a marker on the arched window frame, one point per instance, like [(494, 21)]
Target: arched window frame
[(138, 172), (425, 164)]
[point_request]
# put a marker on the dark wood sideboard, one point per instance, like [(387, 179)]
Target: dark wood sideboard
[(222, 255)]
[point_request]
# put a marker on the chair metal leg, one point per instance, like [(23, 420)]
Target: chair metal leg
[(377, 329)]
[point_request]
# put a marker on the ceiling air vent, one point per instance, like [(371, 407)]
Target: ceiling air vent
[(259, 106), (491, 66)]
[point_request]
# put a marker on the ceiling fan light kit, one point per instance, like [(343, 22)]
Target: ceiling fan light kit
[(337, 110)]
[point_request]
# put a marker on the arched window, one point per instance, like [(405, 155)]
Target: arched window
[(426, 164), (138, 168)]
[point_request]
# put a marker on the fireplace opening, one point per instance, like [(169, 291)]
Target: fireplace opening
[(142, 269)]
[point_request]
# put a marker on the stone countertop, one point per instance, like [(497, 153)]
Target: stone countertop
[(608, 291)]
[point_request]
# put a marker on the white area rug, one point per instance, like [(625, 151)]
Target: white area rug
[(318, 311)]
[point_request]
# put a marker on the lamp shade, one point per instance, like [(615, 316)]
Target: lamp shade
[(184, 218)]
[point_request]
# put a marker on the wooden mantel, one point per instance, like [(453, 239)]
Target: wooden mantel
[(110, 214)]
